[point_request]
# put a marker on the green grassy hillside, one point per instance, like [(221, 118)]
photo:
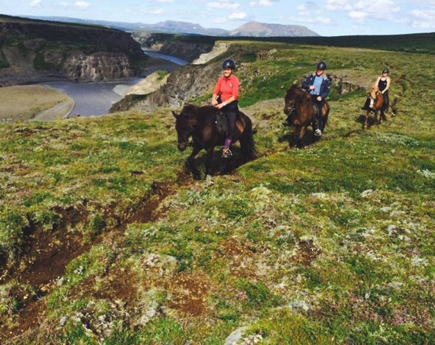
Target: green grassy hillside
[(106, 239)]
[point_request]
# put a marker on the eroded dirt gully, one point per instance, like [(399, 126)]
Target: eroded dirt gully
[(48, 254)]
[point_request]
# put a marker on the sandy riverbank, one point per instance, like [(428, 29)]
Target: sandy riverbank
[(26, 102)]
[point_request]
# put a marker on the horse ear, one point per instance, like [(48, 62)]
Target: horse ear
[(175, 114)]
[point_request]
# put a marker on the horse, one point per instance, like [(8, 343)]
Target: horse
[(376, 104), (301, 112), (200, 123)]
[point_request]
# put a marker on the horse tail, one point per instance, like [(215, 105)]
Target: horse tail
[(247, 144)]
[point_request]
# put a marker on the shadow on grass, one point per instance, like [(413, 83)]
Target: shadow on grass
[(219, 165), (308, 139)]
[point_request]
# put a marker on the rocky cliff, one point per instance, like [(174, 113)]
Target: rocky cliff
[(198, 78), (33, 51)]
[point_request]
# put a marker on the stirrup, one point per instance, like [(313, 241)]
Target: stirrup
[(226, 153)]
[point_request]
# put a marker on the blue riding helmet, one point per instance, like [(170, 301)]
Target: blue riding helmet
[(321, 65), (228, 63)]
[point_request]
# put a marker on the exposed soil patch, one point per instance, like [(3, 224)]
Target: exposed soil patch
[(189, 293), (50, 252), (307, 252)]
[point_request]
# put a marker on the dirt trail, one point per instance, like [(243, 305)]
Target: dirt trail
[(59, 111)]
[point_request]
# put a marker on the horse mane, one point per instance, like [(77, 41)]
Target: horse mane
[(187, 119), (299, 94), (193, 115)]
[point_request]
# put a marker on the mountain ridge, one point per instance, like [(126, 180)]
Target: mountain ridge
[(249, 29)]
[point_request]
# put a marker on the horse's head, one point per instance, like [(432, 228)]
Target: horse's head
[(184, 127), (374, 92), (290, 99)]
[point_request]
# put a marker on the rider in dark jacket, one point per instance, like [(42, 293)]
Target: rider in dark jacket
[(318, 85)]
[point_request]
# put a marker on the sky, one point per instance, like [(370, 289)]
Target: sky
[(325, 17)]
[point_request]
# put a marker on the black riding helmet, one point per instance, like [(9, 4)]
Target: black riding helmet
[(321, 65), (385, 70), (228, 63)]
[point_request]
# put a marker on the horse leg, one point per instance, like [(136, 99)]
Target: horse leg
[(302, 131), (366, 123), (376, 121), (208, 160), (190, 162), (295, 131)]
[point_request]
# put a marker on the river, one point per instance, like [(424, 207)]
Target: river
[(93, 99)]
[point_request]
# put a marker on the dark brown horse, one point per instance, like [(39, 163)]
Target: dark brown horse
[(376, 104), (301, 112), (199, 123)]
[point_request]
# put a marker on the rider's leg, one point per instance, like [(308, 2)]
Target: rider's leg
[(318, 124), (386, 101), (231, 123)]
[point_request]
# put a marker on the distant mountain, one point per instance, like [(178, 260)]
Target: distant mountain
[(256, 29), (250, 29), (170, 26)]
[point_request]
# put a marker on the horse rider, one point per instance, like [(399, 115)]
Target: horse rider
[(383, 84), (318, 85), (225, 97)]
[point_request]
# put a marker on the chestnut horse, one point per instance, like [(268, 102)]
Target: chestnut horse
[(199, 123), (301, 112), (376, 105)]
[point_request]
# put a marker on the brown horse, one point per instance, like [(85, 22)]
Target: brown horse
[(301, 112), (375, 104), (199, 123)]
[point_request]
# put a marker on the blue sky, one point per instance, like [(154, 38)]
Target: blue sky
[(325, 17)]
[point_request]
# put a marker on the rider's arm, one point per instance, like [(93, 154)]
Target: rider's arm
[(306, 83), (388, 84), (216, 93), (325, 89)]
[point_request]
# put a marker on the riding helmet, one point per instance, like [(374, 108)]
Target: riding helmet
[(385, 70), (228, 63), (321, 65)]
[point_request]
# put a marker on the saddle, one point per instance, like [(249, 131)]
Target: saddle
[(316, 110), (221, 122)]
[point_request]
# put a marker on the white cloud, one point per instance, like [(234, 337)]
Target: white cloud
[(357, 15), (225, 5), (303, 10), (82, 5), (260, 3), (166, 1), (338, 5), (36, 3), (157, 11), (423, 19), (238, 15)]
